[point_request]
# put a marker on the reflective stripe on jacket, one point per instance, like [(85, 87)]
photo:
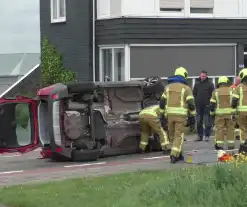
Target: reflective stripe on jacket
[(151, 110), (222, 97), (241, 94)]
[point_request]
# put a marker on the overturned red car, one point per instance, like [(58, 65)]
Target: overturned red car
[(79, 122)]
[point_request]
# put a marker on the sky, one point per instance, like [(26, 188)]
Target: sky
[(19, 26)]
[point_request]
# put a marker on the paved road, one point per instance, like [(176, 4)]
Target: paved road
[(17, 169)]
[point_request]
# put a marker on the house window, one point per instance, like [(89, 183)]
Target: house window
[(201, 6), (170, 10), (201, 10), (58, 11), (112, 64), (171, 6)]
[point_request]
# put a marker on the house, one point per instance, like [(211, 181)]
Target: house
[(133, 39), (18, 73)]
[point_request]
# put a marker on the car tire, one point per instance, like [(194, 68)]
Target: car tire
[(85, 155), (153, 85), (85, 87)]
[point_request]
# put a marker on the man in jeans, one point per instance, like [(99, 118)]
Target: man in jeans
[(202, 92)]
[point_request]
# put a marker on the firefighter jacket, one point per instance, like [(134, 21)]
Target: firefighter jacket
[(240, 98), (177, 98), (221, 101), (151, 110)]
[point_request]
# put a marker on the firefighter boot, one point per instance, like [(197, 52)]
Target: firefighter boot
[(217, 147), (174, 159), (181, 157)]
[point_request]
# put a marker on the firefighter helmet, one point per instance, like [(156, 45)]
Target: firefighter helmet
[(243, 73), (223, 79), (182, 72)]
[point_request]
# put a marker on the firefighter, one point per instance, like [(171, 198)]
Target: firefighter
[(220, 107), (178, 102), (150, 123), (239, 102), (237, 130)]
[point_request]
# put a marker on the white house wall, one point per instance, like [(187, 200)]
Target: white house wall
[(244, 8), (226, 8), (140, 7), (150, 8), (103, 9)]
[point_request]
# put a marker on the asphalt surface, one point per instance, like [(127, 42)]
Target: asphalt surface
[(18, 169)]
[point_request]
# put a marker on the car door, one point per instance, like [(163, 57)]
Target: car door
[(18, 125)]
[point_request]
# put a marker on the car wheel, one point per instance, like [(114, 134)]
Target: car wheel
[(153, 85), (85, 155)]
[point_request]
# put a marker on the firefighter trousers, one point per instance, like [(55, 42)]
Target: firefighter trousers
[(151, 124), (224, 125), (242, 122), (236, 130), (176, 129)]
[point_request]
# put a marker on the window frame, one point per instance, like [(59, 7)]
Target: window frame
[(171, 13), (59, 19), (101, 59)]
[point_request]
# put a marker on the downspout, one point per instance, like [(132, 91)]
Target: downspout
[(94, 70)]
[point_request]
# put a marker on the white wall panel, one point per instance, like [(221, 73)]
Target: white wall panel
[(226, 8), (140, 7), (151, 8), (103, 9), (244, 8)]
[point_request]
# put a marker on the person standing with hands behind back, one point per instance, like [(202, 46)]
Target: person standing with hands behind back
[(202, 92)]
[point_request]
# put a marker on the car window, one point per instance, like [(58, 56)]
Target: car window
[(23, 124)]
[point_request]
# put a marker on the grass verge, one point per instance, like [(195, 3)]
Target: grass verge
[(223, 185)]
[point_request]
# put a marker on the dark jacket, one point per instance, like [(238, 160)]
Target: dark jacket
[(202, 92)]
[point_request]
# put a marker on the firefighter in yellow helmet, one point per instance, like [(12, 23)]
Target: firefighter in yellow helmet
[(220, 103), (150, 124), (239, 102), (178, 102)]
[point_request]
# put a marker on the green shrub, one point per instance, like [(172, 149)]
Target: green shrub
[(53, 70)]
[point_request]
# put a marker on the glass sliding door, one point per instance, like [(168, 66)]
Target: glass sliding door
[(106, 65), (119, 64)]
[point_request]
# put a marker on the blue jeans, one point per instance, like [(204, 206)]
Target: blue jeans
[(203, 115)]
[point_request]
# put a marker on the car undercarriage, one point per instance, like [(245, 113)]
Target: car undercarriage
[(89, 120)]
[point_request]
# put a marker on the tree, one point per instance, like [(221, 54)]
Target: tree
[(53, 70)]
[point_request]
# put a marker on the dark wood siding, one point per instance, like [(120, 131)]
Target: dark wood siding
[(170, 31), (73, 38)]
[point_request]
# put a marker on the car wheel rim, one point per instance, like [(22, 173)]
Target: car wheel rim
[(151, 81)]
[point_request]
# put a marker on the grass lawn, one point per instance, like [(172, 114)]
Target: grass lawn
[(195, 187)]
